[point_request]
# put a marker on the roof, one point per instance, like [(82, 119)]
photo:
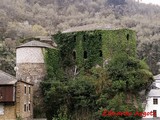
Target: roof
[(46, 38), (157, 77), (90, 27), (7, 79), (35, 43), (154, 93)]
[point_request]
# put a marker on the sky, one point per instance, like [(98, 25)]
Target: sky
[(151, 1)]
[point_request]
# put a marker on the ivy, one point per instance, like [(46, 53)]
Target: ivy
[(93, 47), (53, 65), (91, 71)]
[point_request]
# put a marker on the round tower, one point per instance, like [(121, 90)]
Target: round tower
[(30, 66), (30, 61)]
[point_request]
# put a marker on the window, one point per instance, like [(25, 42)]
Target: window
[(100, 37), (127, 36), (74, 38), (100, 53), (84, 38), (25, 89), (74, 55), (25, 107), (154, 113), (1, 109), (155, 101), (85, 55), (29, 90), (29, 106)]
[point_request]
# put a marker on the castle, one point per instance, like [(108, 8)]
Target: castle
[(75, 50)]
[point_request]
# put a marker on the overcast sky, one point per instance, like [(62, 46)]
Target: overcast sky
[(151, 1)]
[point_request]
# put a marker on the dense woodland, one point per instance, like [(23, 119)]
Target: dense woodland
[(22, 19)]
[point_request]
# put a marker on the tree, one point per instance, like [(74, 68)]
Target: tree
[(128, 76)]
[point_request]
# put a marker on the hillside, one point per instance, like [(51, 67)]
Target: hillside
[(21, 19)]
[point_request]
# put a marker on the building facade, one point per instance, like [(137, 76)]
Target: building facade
[(16, 98), (30, 65), (153, 99)]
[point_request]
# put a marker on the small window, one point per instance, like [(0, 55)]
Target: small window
[(154, 113), (155, 101), (74, 38), (84, 38), (85, 55), (100, 53), (25, 89), (29, 106), (1, 109), (29, 90), (100, 37), (74, 55), (127, 36), (25, 107)]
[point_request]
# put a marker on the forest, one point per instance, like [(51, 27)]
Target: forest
[(24, 19)]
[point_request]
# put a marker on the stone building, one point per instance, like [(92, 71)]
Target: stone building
[(30, 65), (88, 48), (15, 98)]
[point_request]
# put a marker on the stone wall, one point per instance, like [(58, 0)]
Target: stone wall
[(31, 71), (9, 112), (24, 101), (30, 67), (12, 111), (36, 73)]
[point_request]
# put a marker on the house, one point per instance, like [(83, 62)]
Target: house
[(153, 103), (153, 99), (15, 98)]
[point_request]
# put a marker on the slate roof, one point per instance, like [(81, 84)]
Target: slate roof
[(35, 43), (154, 93), (7, 79), (90, 27)]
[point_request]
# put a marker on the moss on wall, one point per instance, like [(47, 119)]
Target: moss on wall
[(86, 49), (119, 41), (52, 61)]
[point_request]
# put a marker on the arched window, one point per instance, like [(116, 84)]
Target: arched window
[(127, 36), (85, 55), (74, 55), (100, 37), (84, 38), (74, 38), (100, 53)]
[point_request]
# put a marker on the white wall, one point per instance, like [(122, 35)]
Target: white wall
[(1, 109), (150, 106), (157, 83), (29, 55)]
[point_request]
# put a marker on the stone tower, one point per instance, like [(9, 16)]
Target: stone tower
[(30, 66)]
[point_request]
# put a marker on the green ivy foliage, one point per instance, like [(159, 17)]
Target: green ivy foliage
[(129, 73), (109, 75), (53, 65), (99, 45)]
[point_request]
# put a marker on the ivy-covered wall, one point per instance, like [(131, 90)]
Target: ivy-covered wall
[(53, 65), (74, 91), (86, 49)]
